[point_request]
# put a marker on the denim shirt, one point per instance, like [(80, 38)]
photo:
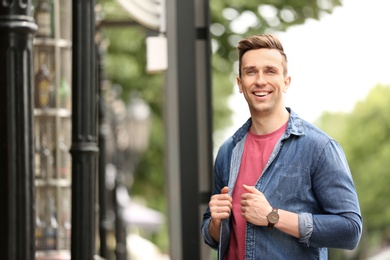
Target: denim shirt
[(307, 173)]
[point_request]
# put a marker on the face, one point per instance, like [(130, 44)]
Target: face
[(262, 81)]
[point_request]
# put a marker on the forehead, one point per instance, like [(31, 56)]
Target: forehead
[(260, 57)]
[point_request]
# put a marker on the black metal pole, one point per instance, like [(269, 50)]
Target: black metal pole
[(17, 29), (188, 123), (205, 110), (84, 131), (120, 225), (118, 161), (181, 115), (102, 155)]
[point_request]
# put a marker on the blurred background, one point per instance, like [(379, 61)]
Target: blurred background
[(338, 59)]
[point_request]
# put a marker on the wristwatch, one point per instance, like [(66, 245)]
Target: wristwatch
[(273, 217)]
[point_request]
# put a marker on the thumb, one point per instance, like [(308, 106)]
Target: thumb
[(251, 189), (225, 190)]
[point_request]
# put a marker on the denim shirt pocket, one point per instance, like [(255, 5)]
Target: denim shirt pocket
[(290, 182)]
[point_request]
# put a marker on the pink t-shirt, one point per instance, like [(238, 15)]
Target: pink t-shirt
[(257, 150)]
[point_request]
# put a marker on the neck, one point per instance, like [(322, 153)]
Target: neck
[(265, 124)]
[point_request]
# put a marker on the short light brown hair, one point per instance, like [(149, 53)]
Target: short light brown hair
[(261, 41)]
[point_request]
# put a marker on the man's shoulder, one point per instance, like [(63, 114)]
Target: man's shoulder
[(315, 131), (300, 126)]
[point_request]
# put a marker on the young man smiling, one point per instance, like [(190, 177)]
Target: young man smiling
[(282, 187)]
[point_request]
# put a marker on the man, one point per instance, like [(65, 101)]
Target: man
[(282, 187)]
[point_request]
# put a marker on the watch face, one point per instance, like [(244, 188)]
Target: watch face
[(273, 217)]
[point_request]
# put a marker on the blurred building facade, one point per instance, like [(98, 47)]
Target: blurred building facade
[(49, 64)]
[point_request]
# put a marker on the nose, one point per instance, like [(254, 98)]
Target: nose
[(260, 80)]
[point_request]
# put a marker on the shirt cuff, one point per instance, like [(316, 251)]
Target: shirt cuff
[(305, 225), (207, 237)]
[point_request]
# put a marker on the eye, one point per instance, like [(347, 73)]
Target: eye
[(250, 72), (271, 71)]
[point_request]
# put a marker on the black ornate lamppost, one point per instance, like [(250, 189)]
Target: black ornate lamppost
[(84, 149), (17, 28), (131, 127)]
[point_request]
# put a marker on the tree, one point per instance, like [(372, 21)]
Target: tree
[(230, 21), (365, 136), (369, 152)]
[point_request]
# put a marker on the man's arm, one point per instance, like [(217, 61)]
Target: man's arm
[(288, 223)]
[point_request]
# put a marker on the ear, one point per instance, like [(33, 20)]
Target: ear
[(287, 82), (239, 84)]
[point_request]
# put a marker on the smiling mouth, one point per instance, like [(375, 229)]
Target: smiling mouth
[(261, 93)]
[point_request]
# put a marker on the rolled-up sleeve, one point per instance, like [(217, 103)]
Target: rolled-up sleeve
[(206, 235), (305, 225), (339, 224)]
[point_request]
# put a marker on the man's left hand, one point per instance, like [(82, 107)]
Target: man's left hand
[(255, 206)]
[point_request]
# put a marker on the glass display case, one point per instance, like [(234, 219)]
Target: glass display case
[(52, 127)]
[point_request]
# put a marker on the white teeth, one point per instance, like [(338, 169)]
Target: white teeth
[(261, 93)]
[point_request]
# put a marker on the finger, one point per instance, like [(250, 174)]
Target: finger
[(243, 203), (225, 190), (220, 215), (220, 200), (251, 189)]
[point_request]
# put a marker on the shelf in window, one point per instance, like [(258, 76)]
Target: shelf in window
[(52, 183), (52, 42), (52, 254), (51, 112)]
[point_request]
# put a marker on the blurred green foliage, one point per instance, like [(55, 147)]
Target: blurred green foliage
[(365, 137)]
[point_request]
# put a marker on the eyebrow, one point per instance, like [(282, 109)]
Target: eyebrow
[(249, 68), (272, 67), (254, 67)]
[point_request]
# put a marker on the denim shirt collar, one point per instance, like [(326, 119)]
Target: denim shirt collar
[(294, 127)]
